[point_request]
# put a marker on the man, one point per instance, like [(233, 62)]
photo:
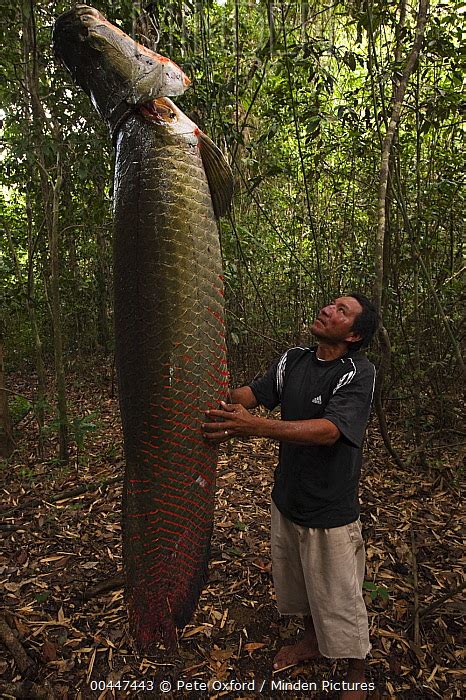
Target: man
[(318, 559)]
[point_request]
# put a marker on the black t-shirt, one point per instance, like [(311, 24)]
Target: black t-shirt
[(317, 486)]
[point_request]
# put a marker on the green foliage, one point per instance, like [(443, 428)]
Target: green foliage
[(27, 473), (298, 95), (42, 596), (376, 591), (19, 407), (81, 426)]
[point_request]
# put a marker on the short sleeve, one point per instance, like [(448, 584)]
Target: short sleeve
[(350, 404), (267, 389)]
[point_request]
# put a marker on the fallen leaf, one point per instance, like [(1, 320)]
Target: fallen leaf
[(48, 652), (252, 646), (196, 630)]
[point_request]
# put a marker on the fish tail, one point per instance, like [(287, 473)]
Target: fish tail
[(157, 611)]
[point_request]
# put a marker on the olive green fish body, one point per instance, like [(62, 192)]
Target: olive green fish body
[(171, 363), (171, 182)]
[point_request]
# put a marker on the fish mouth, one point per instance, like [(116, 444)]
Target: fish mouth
[(79, 12), (71, 38), (73, 22), (82, 28)]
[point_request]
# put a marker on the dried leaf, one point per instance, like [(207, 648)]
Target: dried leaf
[(49, 559), (49, 651), (12, 587), (197, 630), (221, 654), (40, 567), (252, 646)]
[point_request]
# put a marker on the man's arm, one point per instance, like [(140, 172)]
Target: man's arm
[(233, 420), (244, 396)]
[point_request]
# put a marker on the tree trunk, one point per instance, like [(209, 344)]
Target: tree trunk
[(7, 442), (51, 183), (53, 233), (102, 279), (398, 99), (381, 235), (101, 276), (28, 292), (39, 399)]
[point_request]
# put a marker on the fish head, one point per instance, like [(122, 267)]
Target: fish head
[(110, 66)]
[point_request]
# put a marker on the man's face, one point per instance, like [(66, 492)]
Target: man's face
[(333, 323)]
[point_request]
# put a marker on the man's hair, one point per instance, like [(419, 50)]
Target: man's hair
[(366, 323)]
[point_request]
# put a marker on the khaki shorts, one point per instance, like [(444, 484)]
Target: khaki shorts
[(320, 572)]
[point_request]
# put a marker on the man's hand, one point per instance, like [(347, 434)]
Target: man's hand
[(232, 420)]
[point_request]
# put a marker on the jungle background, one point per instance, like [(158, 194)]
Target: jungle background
[(343, 124)]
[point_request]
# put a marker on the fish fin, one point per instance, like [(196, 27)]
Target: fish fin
[(219, 175)]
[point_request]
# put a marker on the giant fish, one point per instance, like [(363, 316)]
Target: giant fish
[(170, 184)]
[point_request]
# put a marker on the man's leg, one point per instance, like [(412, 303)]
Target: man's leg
[(290, 589), (336, 564), (356, 674), (304, 650)]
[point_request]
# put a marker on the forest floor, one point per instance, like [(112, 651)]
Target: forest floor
[(65, 640)]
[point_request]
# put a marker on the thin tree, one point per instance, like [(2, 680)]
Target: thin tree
[(27, 291), (381, 235), (6, 430), (51, 180)]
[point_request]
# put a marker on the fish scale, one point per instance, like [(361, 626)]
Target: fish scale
[(173, 249), (171, 181)]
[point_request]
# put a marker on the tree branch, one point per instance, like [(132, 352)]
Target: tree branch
[(24, 663)]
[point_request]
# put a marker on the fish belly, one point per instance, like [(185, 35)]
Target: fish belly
[(171, 364)]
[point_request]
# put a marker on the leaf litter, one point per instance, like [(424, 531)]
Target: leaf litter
[(63, 603)]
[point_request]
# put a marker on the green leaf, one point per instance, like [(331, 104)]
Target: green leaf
[(239, 525)]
